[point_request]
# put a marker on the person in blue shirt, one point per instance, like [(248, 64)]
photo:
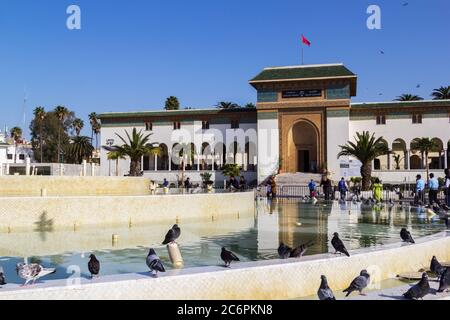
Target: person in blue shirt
[(420, 188), (312, 188), (165, 183), (342, 186), (433, 184)]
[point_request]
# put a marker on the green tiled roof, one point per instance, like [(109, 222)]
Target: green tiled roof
[(185, 112), (400, 104), (303, 72)]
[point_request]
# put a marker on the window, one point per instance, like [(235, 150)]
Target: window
[(234, 124), (10, 156), (21, 157), (205, 125), (417, 118), (176, 125), (381, 119), (148, 126)]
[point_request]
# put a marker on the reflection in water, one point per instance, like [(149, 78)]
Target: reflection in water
[(250, 237)]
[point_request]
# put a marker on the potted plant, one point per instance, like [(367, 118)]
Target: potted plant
[(207, 182)]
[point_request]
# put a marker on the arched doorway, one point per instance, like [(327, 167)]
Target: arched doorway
[(304, 147)]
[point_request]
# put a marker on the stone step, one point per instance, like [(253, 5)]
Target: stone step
[(296, 178)]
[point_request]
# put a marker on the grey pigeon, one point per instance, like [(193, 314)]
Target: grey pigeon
[(172, 235), (32, 272), (324, 292), (338, 245), (2, 277), (420, 290), (284, 251), (436, 267), (406, 236), (300, 250), (359, 283), (444, 283), (93, 266), (228, 256), (154, 263)]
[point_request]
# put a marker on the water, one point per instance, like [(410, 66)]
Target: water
[(252, 236)]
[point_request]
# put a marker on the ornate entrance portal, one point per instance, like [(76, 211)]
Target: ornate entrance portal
[(305, 140)]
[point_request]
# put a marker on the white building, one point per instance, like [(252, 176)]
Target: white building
[(303, 115), (11, 152)]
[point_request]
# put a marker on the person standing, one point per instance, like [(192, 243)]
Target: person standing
[(342, 186), (377, 189), (447, 187), (312, 188), (420, 187), (325, 183), (434, 190)]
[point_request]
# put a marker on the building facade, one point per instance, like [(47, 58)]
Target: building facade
[(303, 114)]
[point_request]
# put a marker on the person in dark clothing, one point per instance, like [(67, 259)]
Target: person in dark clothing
[(187, 184), (325, 183), (342, 186), (242, 183)]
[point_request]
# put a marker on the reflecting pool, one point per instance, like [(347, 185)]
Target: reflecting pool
[(252, 236)]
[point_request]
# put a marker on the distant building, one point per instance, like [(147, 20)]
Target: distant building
[(10, 152), (303, 114)]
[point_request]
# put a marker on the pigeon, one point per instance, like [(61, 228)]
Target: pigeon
[(324, 292), (419, 290), (32, 272), (436, 267), (154, 263), (299, 251), (405, 4), (406, 236), (284, 251), (172, 235), (338, 245), (381, 51), (444, 283), (228, 256), (359, 283), (2, 277), (418, 86), (93, 266)]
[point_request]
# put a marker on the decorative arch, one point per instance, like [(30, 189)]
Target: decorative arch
[(304, 154)]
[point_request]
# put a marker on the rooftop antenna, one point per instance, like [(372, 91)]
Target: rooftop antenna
[(25, 99)]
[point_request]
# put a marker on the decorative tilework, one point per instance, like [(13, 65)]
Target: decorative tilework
[(267, 96)]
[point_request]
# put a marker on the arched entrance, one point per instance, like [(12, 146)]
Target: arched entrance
[(304, 147)]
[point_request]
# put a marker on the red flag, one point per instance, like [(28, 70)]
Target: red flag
[(306, 41)]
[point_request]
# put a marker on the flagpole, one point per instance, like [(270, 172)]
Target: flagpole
[(302, 55)]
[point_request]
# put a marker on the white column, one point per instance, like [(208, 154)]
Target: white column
[(389, 161), (93, 169), (156, 162), (142, 163), (170, 161), (408, 159), (1, 169), (61, 169), (198, 162), (84, 168), (27, 166), (7, 169), (445, 158)]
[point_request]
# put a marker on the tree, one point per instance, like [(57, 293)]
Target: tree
[(16, 135), (39, 116), (79, 149), (172, 103), (96, 129), (93, 120), (227, 105), (135, 147), (365, 148), (231, 170), (250, 105), (116, 156), (441, 93), (424, 146), (78, 125), (397, 160), (408, 97), (61, 112)]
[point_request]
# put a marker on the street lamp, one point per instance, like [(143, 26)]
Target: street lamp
[(109, 143)]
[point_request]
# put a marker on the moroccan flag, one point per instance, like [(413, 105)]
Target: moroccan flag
[(306, 41)]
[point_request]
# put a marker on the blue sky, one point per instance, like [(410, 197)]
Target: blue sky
[(130, 55)]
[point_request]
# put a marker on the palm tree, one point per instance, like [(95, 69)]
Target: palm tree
[(61, 112), (16, 135), (250, 105), (80, 148), (39, 116), (227, 105), (93, 120), (78, 125), (424, 146), (408, 97), (441, 93), (365, 148), (116, 156), (397, 160), (172, 103), (135, 147)]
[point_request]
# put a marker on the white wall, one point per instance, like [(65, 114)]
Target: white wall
[(337, 134), (268, 148)]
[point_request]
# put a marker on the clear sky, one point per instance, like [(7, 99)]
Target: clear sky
[(130, 55)]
